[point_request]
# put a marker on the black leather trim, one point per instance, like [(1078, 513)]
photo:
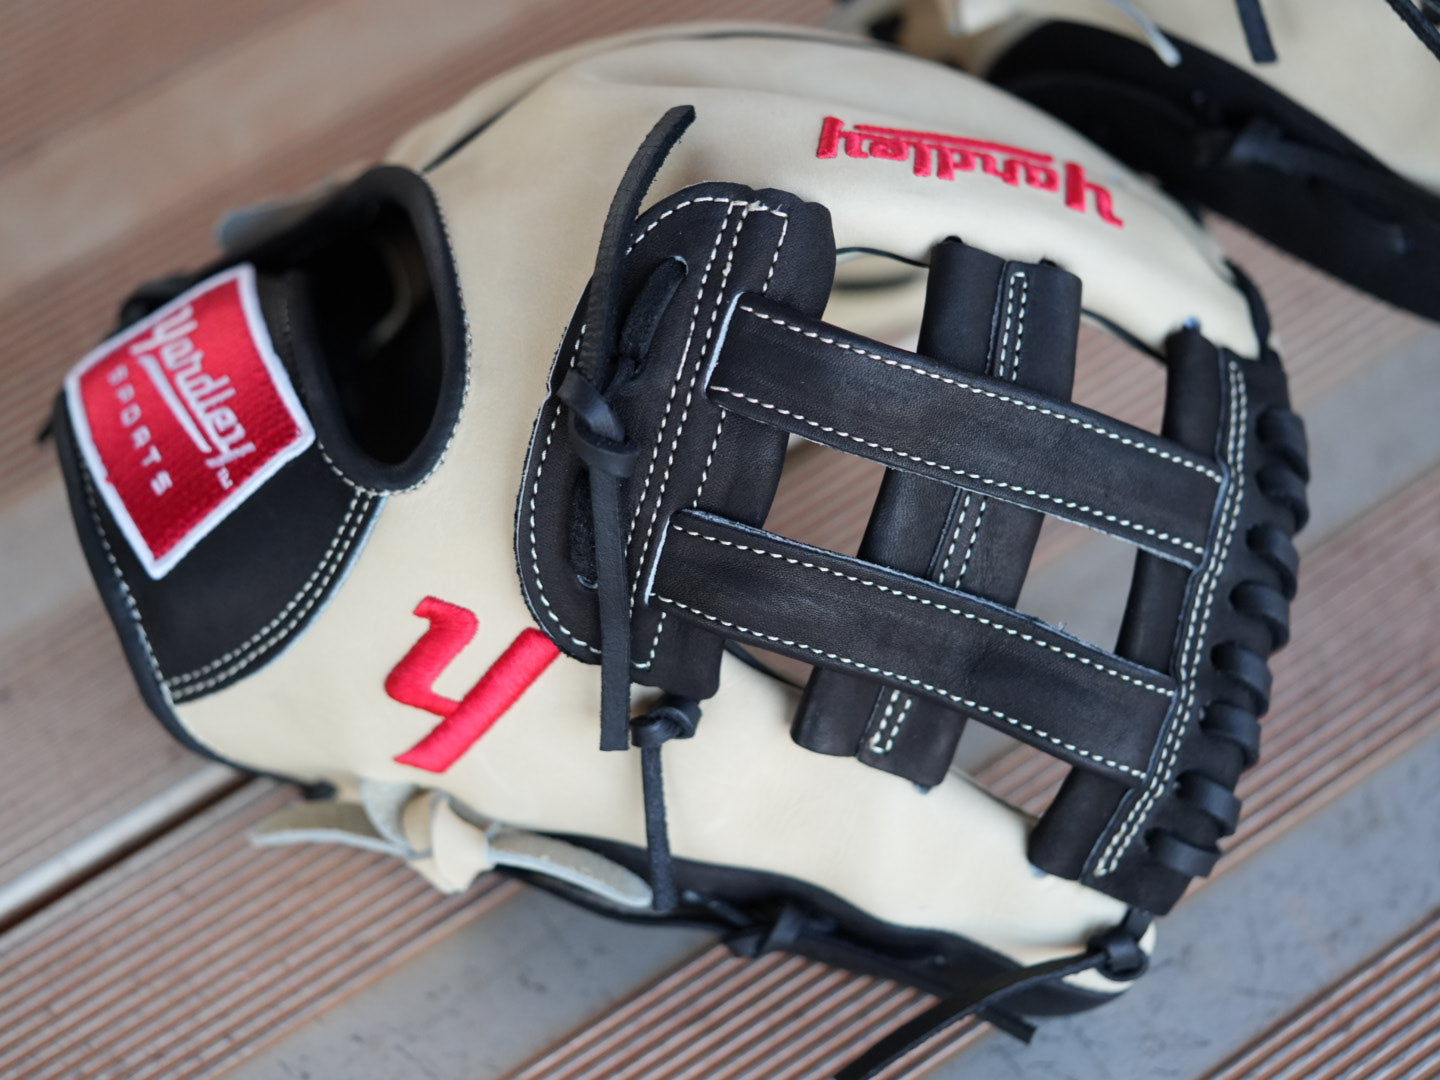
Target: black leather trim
[(752, 907)]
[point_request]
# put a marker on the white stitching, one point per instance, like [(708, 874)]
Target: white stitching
[(1021, 279), (969, 704), (876, 747), (1068, 504), (1190, 651), (670, 401), (974, 534), (124, 586), (719, 424), (310, 593), (981, 392), (999, 627), (1024, 283), (955, 539)]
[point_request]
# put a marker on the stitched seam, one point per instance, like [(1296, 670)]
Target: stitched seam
[(847, 661), (974, 534), (311, 594), (999, 627), (317, 591), (1024, 283), (876, 746), (1068, 504), (719, 424), (1120, 842), (124, 585), (675, 389), (960, 520), (1004, 398), (178, 681)]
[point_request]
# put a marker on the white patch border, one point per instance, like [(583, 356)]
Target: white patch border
[(157, 568)]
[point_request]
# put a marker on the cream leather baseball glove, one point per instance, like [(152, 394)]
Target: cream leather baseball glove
[(443, 493)]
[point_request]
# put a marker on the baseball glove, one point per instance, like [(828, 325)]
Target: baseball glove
[(1312, 122), (411, 493)]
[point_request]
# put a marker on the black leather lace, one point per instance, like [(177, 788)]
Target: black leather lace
[(673, 718), (1235, 718), (1420, 16), (596, 431), (1115, 953), (601, 443)]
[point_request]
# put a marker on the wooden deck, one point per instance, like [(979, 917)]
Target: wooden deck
[(140, 934)]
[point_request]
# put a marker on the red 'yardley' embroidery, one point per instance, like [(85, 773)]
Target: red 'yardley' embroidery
[(412, 682), (182, 416), (942, 156)]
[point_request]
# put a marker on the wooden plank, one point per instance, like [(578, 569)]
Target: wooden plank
[(59, 58), (1383, 1020), (79, 744), (201, 948), (1329, 729)]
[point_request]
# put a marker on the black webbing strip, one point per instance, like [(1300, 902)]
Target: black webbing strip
[(1017, 321), (979, 432), (996, 665)]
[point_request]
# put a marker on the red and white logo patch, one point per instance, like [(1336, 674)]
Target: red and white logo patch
[(183, 415)]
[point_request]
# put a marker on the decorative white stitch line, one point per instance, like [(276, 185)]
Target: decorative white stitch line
[(982, 392), (876, 747), (337, 561), (178, 681), (124, 586), (1024, 281), (747, 208), (955, 537), (974, 535), (732, 203), (969, 704), (1121, 840), (999, 627), (1068, 504), (670, 401)]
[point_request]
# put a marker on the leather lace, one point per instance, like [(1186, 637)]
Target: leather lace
[(1421, 16), (1234, 718)]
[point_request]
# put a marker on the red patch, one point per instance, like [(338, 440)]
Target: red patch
[(932, 153), (411, 682), (185, 414)]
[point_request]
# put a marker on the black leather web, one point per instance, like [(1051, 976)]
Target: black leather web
[(917, 635)]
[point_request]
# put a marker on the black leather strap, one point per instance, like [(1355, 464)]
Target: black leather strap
[(978, 432), (994, 664)]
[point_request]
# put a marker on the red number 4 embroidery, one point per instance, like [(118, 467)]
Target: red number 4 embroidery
[(463, 722)]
